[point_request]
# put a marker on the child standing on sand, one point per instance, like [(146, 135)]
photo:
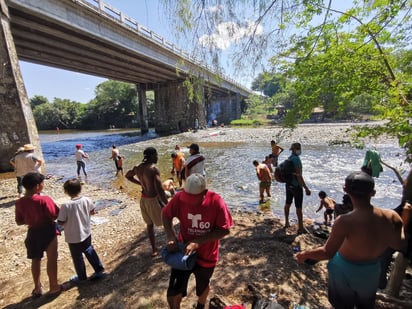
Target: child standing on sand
[(75, 217), (329, 204), (38, 212)]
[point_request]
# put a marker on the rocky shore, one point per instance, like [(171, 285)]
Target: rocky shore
[(256, 256)]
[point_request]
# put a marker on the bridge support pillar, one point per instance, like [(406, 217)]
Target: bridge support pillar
[(141, 95), (175, 112), (224, 108), (17, 125)]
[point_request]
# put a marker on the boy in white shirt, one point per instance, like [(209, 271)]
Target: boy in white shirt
[(75, 217)]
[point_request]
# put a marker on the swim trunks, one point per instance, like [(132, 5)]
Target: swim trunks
[(151, 210), (265, 184), (352, 283)]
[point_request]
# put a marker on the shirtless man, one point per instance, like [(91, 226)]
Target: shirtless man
[(329, 204), (357, 239), (264, 175), (169, 187), (153, 199), (276, 151)]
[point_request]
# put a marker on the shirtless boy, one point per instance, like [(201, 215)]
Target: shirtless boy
[(353, 248), (329, 204), (265, 177), (276, 151), (153, 199)]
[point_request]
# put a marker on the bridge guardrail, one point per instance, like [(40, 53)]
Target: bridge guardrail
[(128, 22)]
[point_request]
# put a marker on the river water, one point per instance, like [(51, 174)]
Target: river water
[(229, 167)]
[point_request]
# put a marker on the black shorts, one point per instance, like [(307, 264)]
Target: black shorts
[(294, 193), (180, 278), (329, 211), (38, 239)]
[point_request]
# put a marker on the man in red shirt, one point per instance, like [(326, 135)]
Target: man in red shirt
[(39, 213), (204, 219)]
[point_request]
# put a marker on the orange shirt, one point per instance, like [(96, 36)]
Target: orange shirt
[(178, 162)]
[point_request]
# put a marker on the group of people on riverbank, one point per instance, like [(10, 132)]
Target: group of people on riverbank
[(204, 219), (355, 238), (359, 237)]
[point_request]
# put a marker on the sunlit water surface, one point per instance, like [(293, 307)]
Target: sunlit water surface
[(229, 167)]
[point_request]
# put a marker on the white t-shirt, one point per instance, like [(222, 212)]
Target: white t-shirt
[(198, 167), (76, 217), (79, 154)]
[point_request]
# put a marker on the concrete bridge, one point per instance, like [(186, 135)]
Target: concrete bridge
[(91, 37)]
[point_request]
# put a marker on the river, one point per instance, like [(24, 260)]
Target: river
[(229, 166)]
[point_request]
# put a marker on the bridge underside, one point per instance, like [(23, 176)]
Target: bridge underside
[(92, 44)]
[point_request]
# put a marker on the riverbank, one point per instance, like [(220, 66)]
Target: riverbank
[(258, 253)]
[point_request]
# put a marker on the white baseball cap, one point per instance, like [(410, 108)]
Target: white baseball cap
[(195, 184)]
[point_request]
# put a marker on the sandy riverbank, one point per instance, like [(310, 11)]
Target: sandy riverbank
[(258, 252)]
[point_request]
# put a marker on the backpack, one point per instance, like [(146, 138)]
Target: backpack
[(284, 171)]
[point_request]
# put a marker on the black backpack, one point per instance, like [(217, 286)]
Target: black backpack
[(284, 171)]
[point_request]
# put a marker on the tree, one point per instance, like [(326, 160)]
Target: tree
[(115, 104), (38, 100)]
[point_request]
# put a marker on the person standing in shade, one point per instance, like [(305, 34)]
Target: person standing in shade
[(75, 217), (153, 199), (195, 163), (353, 248), (294, 188), (39, 213), (25, 162), (80, 155), (204, 219)]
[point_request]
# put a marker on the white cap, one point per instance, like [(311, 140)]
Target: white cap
[(195, 184)]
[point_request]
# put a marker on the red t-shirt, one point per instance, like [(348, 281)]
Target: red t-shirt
[(36, 211), (197, 220)]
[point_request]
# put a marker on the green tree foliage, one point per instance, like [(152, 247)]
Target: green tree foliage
[(115, 104), (61, 113), (37, 100), (269, 84), (338, 53)]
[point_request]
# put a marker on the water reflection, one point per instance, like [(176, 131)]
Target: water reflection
[(229, 167)]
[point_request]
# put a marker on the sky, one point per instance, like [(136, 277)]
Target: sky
[(55, 83)]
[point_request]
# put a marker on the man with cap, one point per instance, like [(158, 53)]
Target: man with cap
[(353, 248), (294, 188), (204, 219), (195, 163), (25, 161), (153, 198)]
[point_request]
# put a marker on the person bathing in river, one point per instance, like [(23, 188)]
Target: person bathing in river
[(329, 204), (265, 177)]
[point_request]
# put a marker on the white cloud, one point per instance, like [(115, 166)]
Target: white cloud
[(214, 9), (229, 32)]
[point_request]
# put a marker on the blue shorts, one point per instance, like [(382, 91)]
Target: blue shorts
[(38, 239), (179, 279), (352, 284)]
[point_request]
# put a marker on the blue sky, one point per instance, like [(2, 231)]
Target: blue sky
[(51, 82)]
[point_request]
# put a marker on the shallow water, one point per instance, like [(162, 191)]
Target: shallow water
[(229, 167)]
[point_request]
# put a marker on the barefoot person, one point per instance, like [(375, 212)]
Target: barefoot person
[(329, 204), (353, 248), (38, 212), (276, 151), (265, 177), (294, 188), (204, 219), (147, 175)]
